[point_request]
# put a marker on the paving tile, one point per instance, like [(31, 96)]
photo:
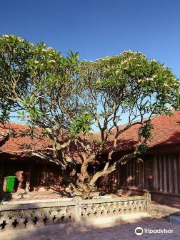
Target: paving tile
[(125, 231)]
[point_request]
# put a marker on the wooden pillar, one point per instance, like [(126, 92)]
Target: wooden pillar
[(1, 176), (150, 174), (130, 174), (170, 173), (175, 159), (118, 174), (134, 172), (178, 173), (28, 179), (160, 173), (143, 174), (155, 173), (127, 170), (140, 175), (137, 173), (165, 174)]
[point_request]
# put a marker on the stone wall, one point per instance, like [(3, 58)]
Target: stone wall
[(162, 211)]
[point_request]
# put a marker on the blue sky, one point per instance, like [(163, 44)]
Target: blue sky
[(99, 28)]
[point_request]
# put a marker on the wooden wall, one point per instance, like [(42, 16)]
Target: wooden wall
[(45, 175), (41, 175), (160, 172)]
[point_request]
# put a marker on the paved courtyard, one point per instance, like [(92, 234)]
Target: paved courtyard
[(121, 231)]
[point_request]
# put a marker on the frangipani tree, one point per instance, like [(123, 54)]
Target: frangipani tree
[(125, 86), (70, 100)]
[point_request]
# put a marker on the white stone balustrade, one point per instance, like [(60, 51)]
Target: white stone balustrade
[(38, 214)]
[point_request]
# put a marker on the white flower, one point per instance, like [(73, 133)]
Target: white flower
[(153, 60), (52, 61), (20, 39), (44, 50), (149, 79), (117, 72), (165, 84), (5, 36), (170, 108), (36, 62)]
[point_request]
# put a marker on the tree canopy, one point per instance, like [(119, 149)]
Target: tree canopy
[(70, 99)]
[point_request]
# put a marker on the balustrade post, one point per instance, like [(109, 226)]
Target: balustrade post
[(148, 201), (77, 213)]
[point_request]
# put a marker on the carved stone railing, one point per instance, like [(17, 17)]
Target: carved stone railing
[(40, 214), (23, 216), (113, 206)]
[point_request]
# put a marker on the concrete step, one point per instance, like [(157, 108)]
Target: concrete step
[(175, 219)]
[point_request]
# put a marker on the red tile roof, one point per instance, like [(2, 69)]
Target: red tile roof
[(18, 145), (166, 132)]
